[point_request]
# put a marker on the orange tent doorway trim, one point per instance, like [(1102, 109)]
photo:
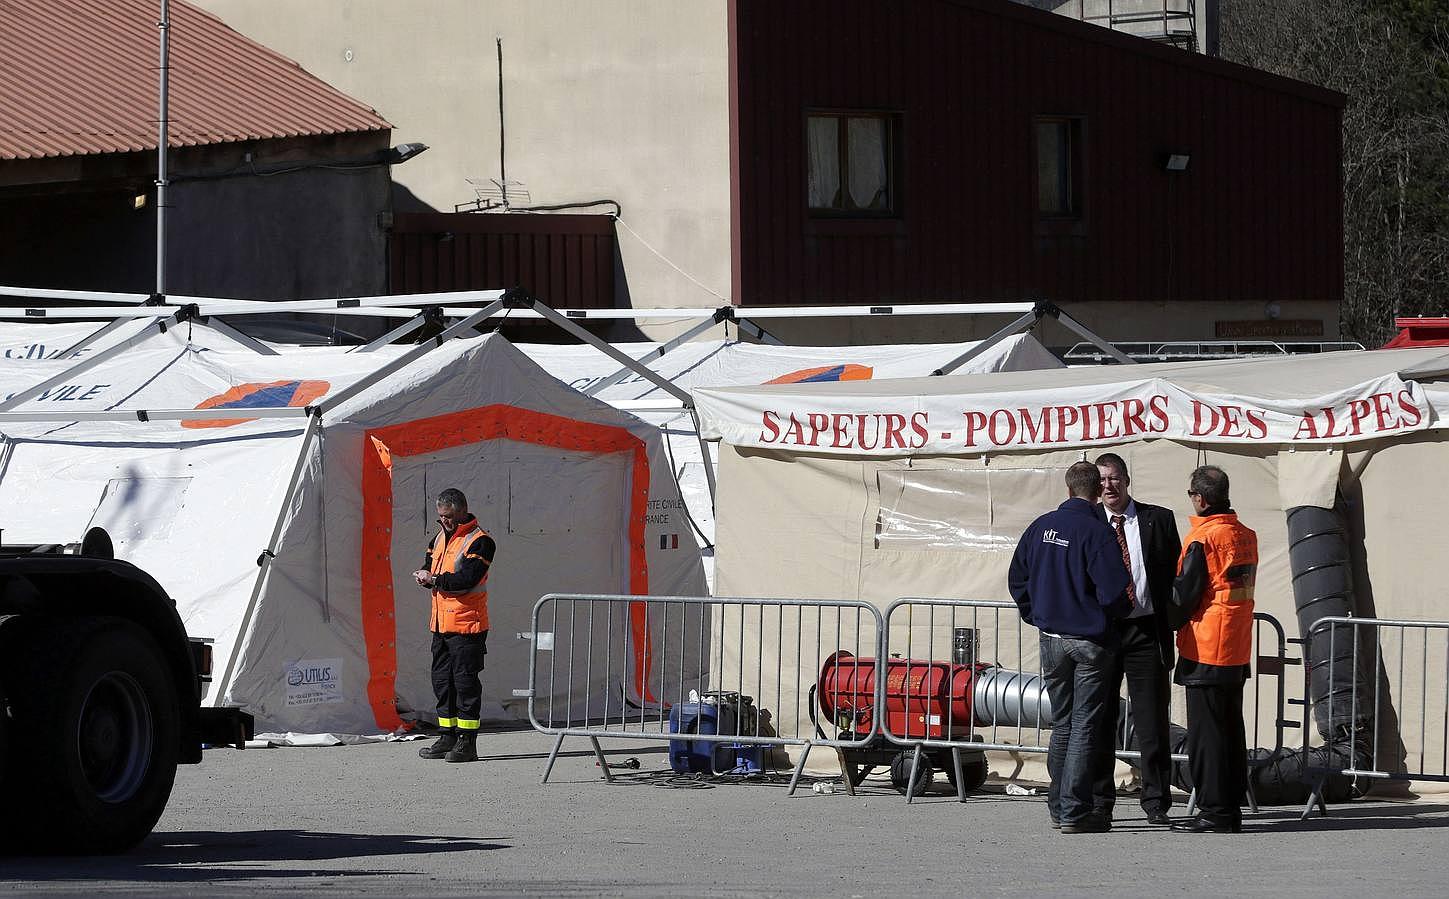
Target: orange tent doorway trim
[(430, 435)]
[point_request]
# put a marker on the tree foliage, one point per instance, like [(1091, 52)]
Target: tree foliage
[(1391, 59)]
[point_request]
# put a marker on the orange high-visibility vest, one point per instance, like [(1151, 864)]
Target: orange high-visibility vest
[(1220, 632), (459, 613)]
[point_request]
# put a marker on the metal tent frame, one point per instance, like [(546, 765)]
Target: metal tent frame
[(467, 308)]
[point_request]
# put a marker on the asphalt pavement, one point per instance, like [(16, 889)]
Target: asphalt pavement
[(377, 820)]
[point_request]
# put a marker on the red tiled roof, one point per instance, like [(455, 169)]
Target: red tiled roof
[(80, 78)]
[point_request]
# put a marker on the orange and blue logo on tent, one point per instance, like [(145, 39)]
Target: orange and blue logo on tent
[(846, 371), (274, 395)]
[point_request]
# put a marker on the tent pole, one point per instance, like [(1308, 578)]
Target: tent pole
[(221, 306), (1015, 327), (211, 414), (264, 561), (410, 356), (407, 327), (666, 347), (87, 296), (216, 324), (1083, 331), (607, 349), (703, 451), (86, 341), (758, 332), (157, 326)]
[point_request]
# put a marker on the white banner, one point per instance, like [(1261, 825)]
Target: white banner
[(861, 424)]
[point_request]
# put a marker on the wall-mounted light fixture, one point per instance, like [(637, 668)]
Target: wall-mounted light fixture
[(1176, 162), (402, 153)]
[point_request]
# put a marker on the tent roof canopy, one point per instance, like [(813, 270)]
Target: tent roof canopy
[(1277, 376)]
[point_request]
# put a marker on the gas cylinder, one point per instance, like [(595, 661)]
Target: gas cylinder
[(922, 699)]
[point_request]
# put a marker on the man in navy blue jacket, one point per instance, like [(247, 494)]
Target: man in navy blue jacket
[(1069, 582)]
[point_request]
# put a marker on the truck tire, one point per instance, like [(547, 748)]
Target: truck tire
[(96, 735)]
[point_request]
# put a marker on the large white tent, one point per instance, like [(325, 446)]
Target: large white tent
[(876, 490), (287, 531)]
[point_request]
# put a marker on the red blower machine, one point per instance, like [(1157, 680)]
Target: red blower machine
[(921, 701)]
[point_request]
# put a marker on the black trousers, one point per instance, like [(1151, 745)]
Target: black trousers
[(457, 659), (1217, 749), (1149, 689)]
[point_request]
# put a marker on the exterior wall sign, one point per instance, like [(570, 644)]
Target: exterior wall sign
[(1057, 418)]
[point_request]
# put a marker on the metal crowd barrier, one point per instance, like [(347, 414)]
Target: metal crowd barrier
[(1008, 710), (734, 676), (1373, 720)]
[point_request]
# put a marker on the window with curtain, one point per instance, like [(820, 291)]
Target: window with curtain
[(851, 160), (1058, 167)]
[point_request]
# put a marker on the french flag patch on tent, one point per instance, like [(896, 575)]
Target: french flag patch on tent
[(669, 541)]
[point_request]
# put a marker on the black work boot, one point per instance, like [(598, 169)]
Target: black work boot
[(442, 747), (466, 749)]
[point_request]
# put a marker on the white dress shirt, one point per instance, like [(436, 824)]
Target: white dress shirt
[(1131, 527)]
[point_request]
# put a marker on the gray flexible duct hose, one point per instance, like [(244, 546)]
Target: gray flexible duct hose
[(1005, 698), (1010, 699), (1323, 587)]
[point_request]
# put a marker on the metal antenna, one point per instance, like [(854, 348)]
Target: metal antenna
[(502, 160)]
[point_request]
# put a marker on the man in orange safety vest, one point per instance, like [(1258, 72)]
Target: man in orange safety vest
[(456, 570), (1213, 610)]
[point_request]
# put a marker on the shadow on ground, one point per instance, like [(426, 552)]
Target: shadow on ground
[(213, 856), (1378, 816)]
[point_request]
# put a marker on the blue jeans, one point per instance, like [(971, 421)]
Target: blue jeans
[(1078, 676)]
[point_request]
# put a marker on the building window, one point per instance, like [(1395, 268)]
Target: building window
[(1058, 167), (851, 159)]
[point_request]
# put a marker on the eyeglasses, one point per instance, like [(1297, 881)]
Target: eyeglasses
[(1193, 493)]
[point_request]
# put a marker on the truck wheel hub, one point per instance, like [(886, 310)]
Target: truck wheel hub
[(116, 736)]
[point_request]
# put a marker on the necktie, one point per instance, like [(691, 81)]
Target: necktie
[(1126, 556)]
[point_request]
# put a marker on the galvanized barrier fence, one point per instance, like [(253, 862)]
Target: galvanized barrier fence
[(1000, 700), (722, 679), (1379, 719)]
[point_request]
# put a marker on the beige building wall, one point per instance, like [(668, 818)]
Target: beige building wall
[(604, 99)]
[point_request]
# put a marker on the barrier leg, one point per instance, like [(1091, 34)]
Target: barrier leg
[(1192, 803), (850, 770), (1316, 798), (603, 763), (1252, 794), (911, 781), (552, 757), (799, 767), (960, 778)]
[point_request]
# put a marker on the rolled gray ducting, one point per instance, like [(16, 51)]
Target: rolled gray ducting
[(1004, 698), (1323, 587), (1010, 699)]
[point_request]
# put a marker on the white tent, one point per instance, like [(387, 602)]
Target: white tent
[(326, 482), (722, 363), (920, 487)]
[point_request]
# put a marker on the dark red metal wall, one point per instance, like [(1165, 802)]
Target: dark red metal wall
[(567, 261), (1257, 216)]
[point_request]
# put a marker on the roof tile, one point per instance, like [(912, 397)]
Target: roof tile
[(80, 78)]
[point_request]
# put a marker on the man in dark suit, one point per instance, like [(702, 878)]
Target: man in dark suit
[(1147, 536)]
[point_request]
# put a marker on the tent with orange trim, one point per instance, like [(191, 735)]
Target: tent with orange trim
[(283, 500)]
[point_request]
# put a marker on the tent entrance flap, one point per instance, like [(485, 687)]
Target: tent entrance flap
[(382, 446)]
